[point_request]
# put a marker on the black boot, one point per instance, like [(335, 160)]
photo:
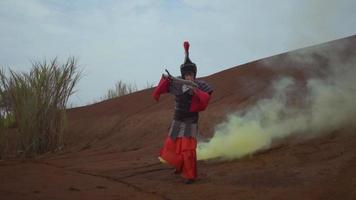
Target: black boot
[(188, 181)]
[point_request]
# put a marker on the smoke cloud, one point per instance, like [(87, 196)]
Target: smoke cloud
[(328, 104)]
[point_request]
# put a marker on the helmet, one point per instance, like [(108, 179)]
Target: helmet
[(188, 65)]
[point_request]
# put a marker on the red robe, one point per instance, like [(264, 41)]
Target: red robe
[(180, 152)]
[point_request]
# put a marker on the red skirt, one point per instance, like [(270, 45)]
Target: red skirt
[(181, 154)]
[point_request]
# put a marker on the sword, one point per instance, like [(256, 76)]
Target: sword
[(180, 80)]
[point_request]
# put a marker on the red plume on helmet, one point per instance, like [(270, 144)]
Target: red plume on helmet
[(186, 47), (188, 65)]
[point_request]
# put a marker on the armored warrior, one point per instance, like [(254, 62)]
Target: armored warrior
[(191, 97)]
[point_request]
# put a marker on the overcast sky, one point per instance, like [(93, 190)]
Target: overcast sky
[(135, 40)]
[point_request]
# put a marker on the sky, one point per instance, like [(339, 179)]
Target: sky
[(135, 40)]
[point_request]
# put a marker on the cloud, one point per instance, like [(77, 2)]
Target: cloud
[(136, 40)]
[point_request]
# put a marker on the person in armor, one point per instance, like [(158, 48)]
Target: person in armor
[(191, 97)]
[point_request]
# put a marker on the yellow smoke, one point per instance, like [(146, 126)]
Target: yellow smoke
[(241, 135), (331, 106)]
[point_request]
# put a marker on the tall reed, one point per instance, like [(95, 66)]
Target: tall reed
[(38, 100), (120, 89)]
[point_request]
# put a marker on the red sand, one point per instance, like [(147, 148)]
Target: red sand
[(112, 149)]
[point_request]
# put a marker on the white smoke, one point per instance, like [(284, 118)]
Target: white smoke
[(328, 104)]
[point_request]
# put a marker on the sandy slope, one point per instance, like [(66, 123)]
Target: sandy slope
[(112, 148)]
